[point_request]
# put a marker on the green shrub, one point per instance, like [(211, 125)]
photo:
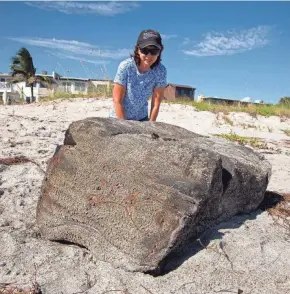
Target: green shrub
[(254, 142), (282, 110)]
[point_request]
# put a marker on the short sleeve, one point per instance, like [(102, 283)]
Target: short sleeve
[(122, 74), (161, 80)]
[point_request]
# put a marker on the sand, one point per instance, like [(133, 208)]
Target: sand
[(249, 253)]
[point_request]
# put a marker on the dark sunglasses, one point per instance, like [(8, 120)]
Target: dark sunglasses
[(146, 51)]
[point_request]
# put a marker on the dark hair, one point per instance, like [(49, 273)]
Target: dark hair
[(137, 59)]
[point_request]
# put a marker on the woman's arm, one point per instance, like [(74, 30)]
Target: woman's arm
[(119, 89), (118, 97), (157, 97), (158, 93)]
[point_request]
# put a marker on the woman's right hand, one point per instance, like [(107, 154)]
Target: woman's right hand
[(118, 96)]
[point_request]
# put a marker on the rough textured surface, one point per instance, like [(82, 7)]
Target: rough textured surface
[(135, 192), (249, 252)]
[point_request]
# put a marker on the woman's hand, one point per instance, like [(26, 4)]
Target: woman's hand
[(118, 96)]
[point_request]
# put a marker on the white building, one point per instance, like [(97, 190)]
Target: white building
[(76, 85), (22, 91), (17, 91), (54, 83), (8, 92)]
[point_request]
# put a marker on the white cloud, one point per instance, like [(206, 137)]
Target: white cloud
[(231, 42), (79, 58), (168, 37), (110, 8), (67, 45), (75, 47)]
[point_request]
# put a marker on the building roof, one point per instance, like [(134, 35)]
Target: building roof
[(2, 74), (181, 86), (101, 80), (58, 77), (235, 100), (220, 98), (72, 78), (42, 75)]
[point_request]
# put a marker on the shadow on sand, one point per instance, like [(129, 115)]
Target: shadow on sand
[(177, 258)]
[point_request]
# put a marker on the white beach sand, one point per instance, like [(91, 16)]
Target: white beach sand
[(249, 253)]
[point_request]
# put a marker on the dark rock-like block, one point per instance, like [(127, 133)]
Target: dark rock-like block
[(133, 192)]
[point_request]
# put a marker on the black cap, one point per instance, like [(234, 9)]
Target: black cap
[(149, 37)]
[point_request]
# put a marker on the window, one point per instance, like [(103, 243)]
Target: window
[(184, 92), (80, 87), (4, 84), (65, 86), (179, 92)]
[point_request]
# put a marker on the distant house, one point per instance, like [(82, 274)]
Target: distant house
[(4, 83), (75, 85), (227, 101), (7, 90), (175, 91), (57, 82)]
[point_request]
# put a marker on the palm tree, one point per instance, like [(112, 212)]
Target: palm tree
[(23, 70)]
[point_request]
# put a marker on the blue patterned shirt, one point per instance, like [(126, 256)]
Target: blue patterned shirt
[(139, 87)]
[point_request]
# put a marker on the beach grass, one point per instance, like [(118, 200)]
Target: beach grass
[(251, 141), (281, 110), (101, 91), (287, 132)]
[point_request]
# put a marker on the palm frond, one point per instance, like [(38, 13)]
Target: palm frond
[(45, 79), (16, 69), (48, 82), (24, 62), (23, 52), (15, 60), (31, 80)]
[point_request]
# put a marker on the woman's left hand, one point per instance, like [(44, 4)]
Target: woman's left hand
[(157, 97)]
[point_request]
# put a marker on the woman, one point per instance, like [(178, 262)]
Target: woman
[(138, 78)]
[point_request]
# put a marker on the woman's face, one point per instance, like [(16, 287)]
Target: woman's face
[(148, 55)]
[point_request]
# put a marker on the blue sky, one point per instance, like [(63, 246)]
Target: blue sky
[(224, 49)]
